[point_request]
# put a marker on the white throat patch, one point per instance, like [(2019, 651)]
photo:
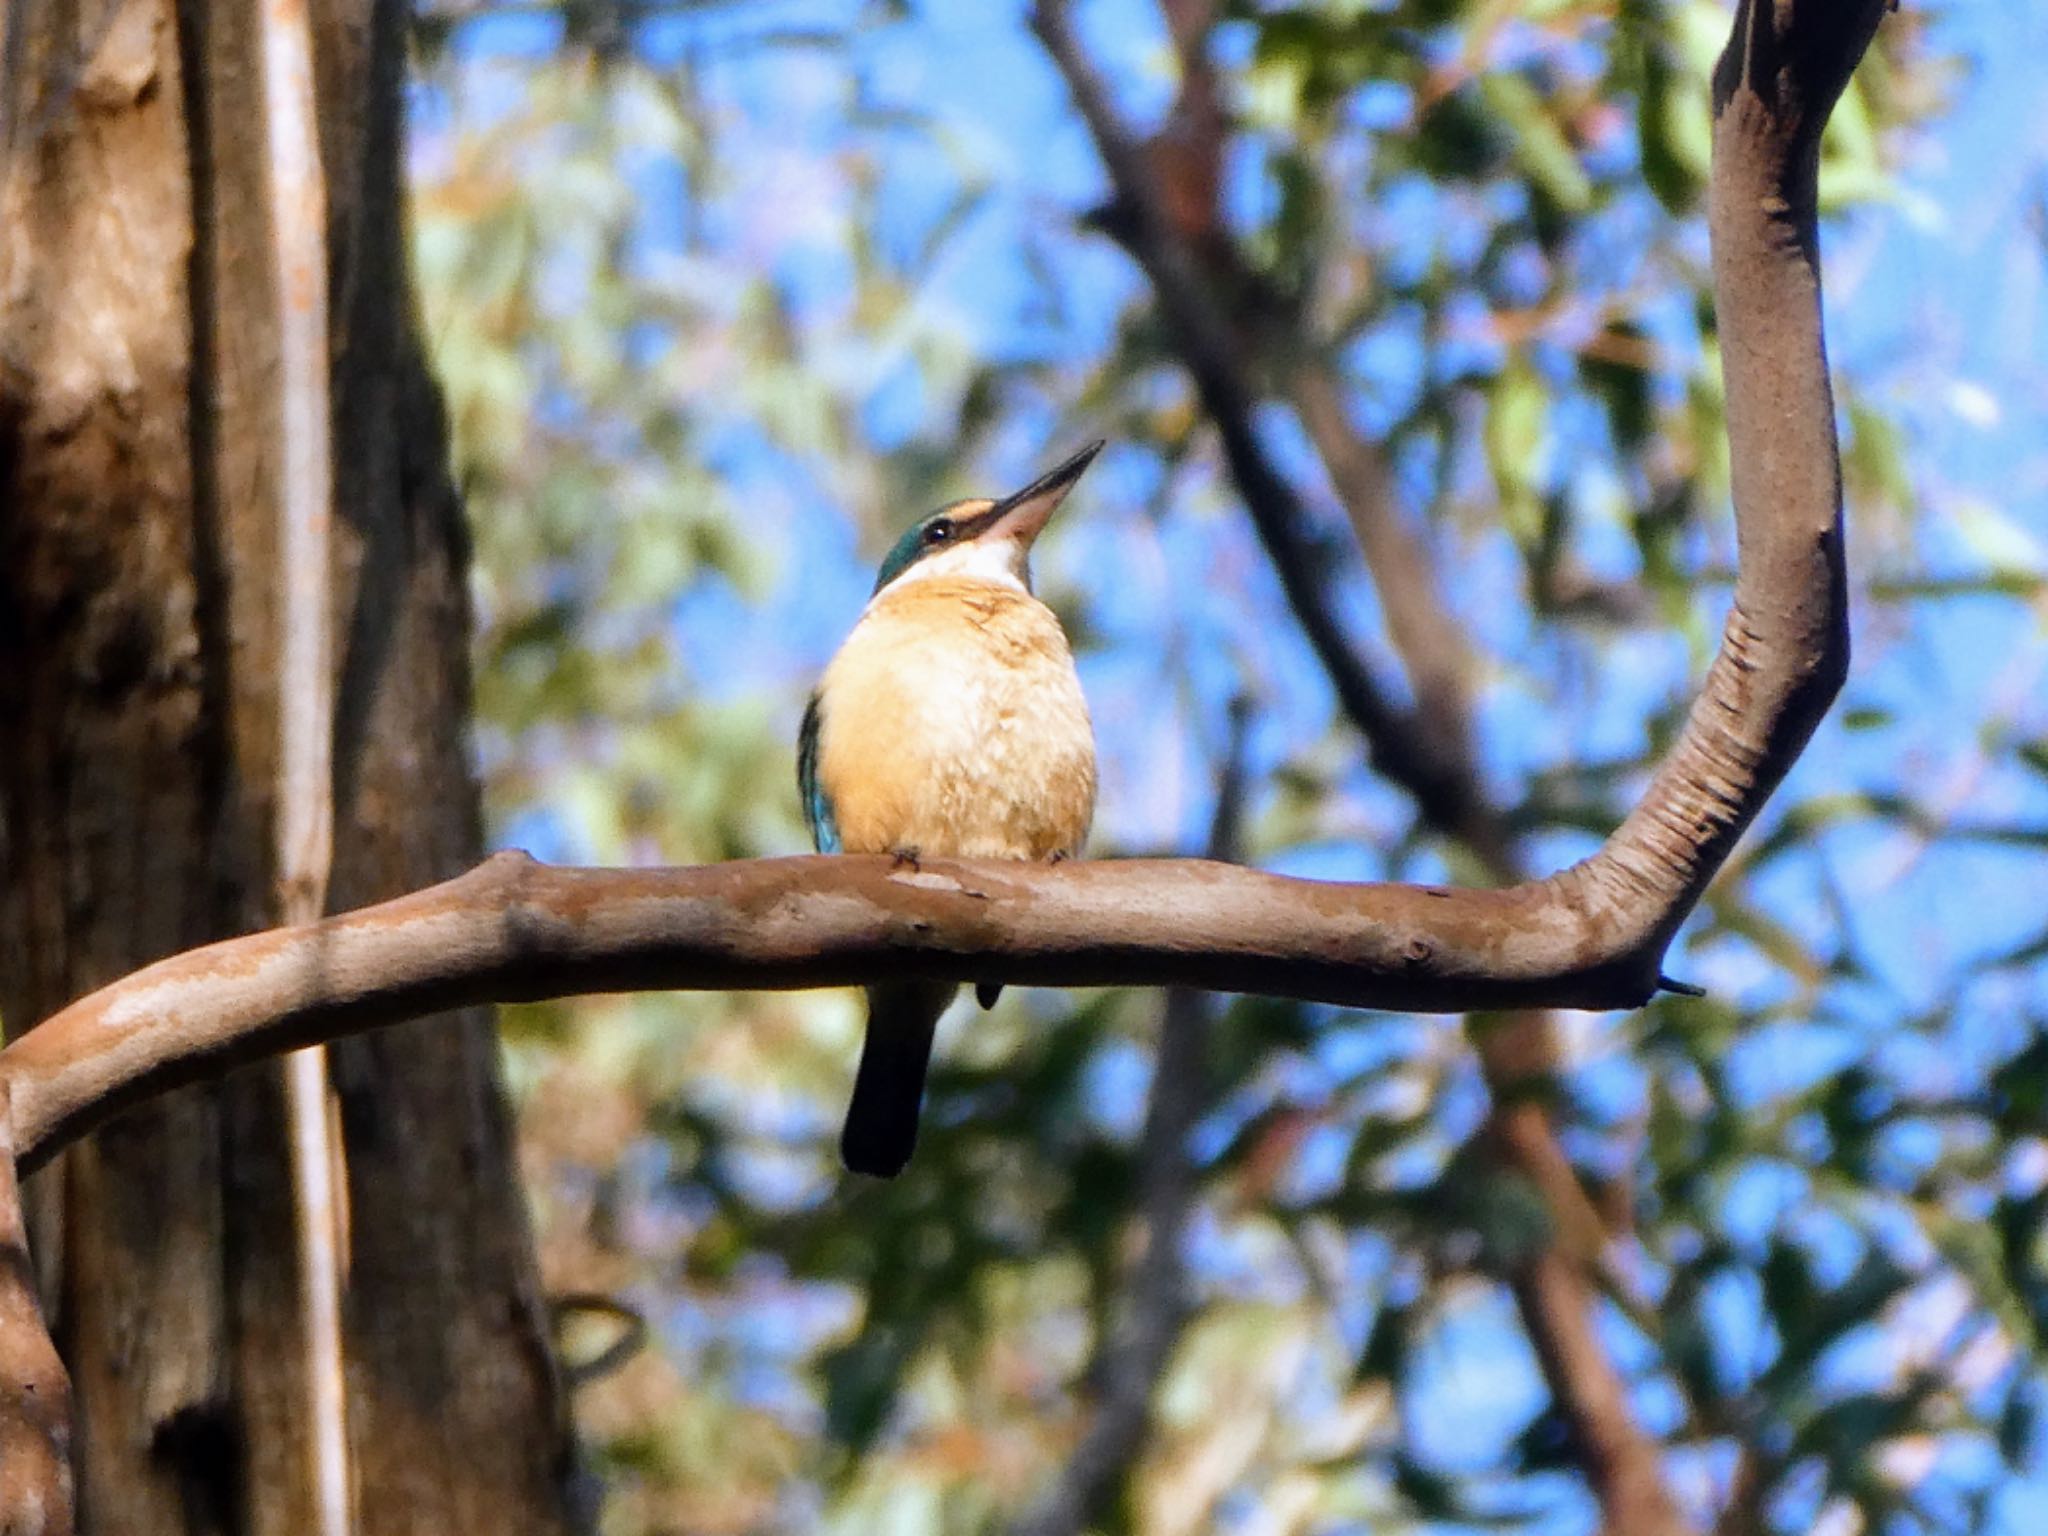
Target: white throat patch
[(1002, 561)]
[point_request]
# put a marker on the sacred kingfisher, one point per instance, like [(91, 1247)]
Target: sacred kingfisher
[(950, 723)]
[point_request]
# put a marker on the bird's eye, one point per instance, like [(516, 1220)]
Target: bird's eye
[(938, 531)]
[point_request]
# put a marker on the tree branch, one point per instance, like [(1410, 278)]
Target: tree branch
[(1786, 645), (1620, 1463), (1209, 347), (1128, 1364), (1430, 643), (514, 930), (1426, 750), (1785, 648)]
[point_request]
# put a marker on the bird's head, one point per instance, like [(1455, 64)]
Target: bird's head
[(982, 539)]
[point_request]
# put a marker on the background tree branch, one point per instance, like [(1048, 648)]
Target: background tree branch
[(1128, 1363), (1209, 347), (1181, 242), (1165, 214)]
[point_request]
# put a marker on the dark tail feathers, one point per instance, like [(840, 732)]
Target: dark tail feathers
[(881, 1120)]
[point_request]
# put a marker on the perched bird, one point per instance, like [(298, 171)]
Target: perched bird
[(949, 723)]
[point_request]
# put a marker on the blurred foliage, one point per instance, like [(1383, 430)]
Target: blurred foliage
[(723, 294)]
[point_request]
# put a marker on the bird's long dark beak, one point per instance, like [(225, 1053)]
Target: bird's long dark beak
[(1024, 515)]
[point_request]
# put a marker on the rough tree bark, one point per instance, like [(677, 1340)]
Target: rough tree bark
[(138, 633)]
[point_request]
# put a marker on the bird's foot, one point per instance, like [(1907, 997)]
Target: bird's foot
[(906, 858)]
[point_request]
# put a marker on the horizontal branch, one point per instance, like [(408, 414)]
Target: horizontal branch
[(514, 930)]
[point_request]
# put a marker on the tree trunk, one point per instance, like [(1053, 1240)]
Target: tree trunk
[(138, 632)]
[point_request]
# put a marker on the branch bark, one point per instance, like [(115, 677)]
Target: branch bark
[(515, 930)]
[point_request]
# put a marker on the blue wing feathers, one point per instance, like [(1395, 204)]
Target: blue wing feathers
[(817, 804)]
